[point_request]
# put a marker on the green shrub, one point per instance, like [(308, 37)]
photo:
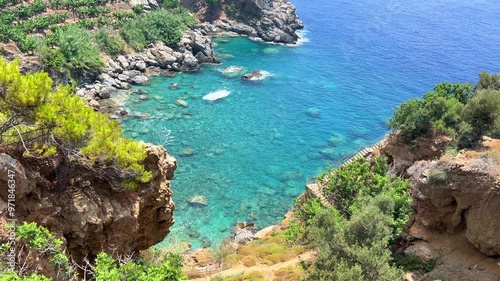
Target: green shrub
[(438, 174), (160, 25), (138, 9), (454, 110), (79, 48), (35, 109), (307, 211), (440, 110), (355, 250), (483, 113), (169, 4), (133, 33), (414, 263), (112, 45)]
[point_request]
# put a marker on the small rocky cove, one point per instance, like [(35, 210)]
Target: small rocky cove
[(160, 96)]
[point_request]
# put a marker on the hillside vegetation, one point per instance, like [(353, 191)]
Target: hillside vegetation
[(44, 121), (71, 34), (462, 111), (152, 265)]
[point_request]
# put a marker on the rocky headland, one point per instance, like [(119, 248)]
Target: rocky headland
[(90, 213)]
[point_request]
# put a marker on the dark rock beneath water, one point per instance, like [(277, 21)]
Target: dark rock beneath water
[(313, 112)]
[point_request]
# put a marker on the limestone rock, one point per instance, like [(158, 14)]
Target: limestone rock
[(403, 156), (466, 201), (140, 80), (123, 62), (198, 200), (243, 233), (181, 102)]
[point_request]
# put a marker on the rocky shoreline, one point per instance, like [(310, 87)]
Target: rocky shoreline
[(278, 24)]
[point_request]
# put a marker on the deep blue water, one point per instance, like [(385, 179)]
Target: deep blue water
[(254, 149)]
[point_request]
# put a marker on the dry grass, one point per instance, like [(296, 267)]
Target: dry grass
[(272, 249), (250, 276), (289, 273)]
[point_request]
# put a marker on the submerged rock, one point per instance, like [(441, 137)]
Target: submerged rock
[(188, 151), (198, 200), (313, 112), (336, 139), (256, 75), (181, 102), (232, 71)]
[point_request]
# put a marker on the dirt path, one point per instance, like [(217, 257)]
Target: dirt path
[(267, 270)]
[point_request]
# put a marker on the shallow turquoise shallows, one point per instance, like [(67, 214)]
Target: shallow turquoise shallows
[(250, 153)]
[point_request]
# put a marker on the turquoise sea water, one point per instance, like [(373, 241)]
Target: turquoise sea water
[(254, 149)]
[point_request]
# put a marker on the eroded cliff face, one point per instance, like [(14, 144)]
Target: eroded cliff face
[(271, 20), (456, 202), (88, 212), (459, 196)]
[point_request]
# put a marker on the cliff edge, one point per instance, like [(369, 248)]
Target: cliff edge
[(89, 213), (271, 20)]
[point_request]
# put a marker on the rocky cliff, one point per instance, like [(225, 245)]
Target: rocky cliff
[(89, 213), (271, 20), (456, 202)]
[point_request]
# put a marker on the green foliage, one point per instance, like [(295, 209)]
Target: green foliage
[(31, 106), (107, 269), (413, 263), (46, 244), (483, 113), (294, 232), (440, 110), (52, 58), (307, 211), (166, 267), (160, 25), (112, 45), (133, 32), (78, 48), (15, 277), (138, 9), (488, 81), (454, 110), (169, 4), (351, 184), (356, 249)]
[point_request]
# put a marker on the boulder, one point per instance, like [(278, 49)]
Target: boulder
[(190, 62), (187, 152), (123, 62), (139, 65), (95, 105), (139, 80), (243, 233), (181, 102), (198, 200)]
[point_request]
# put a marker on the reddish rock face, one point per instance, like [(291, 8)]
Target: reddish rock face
[(465, 201), (402, 155), (88, 212)]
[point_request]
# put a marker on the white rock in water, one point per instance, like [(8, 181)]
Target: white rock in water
[(217, 95), (232, 71)]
